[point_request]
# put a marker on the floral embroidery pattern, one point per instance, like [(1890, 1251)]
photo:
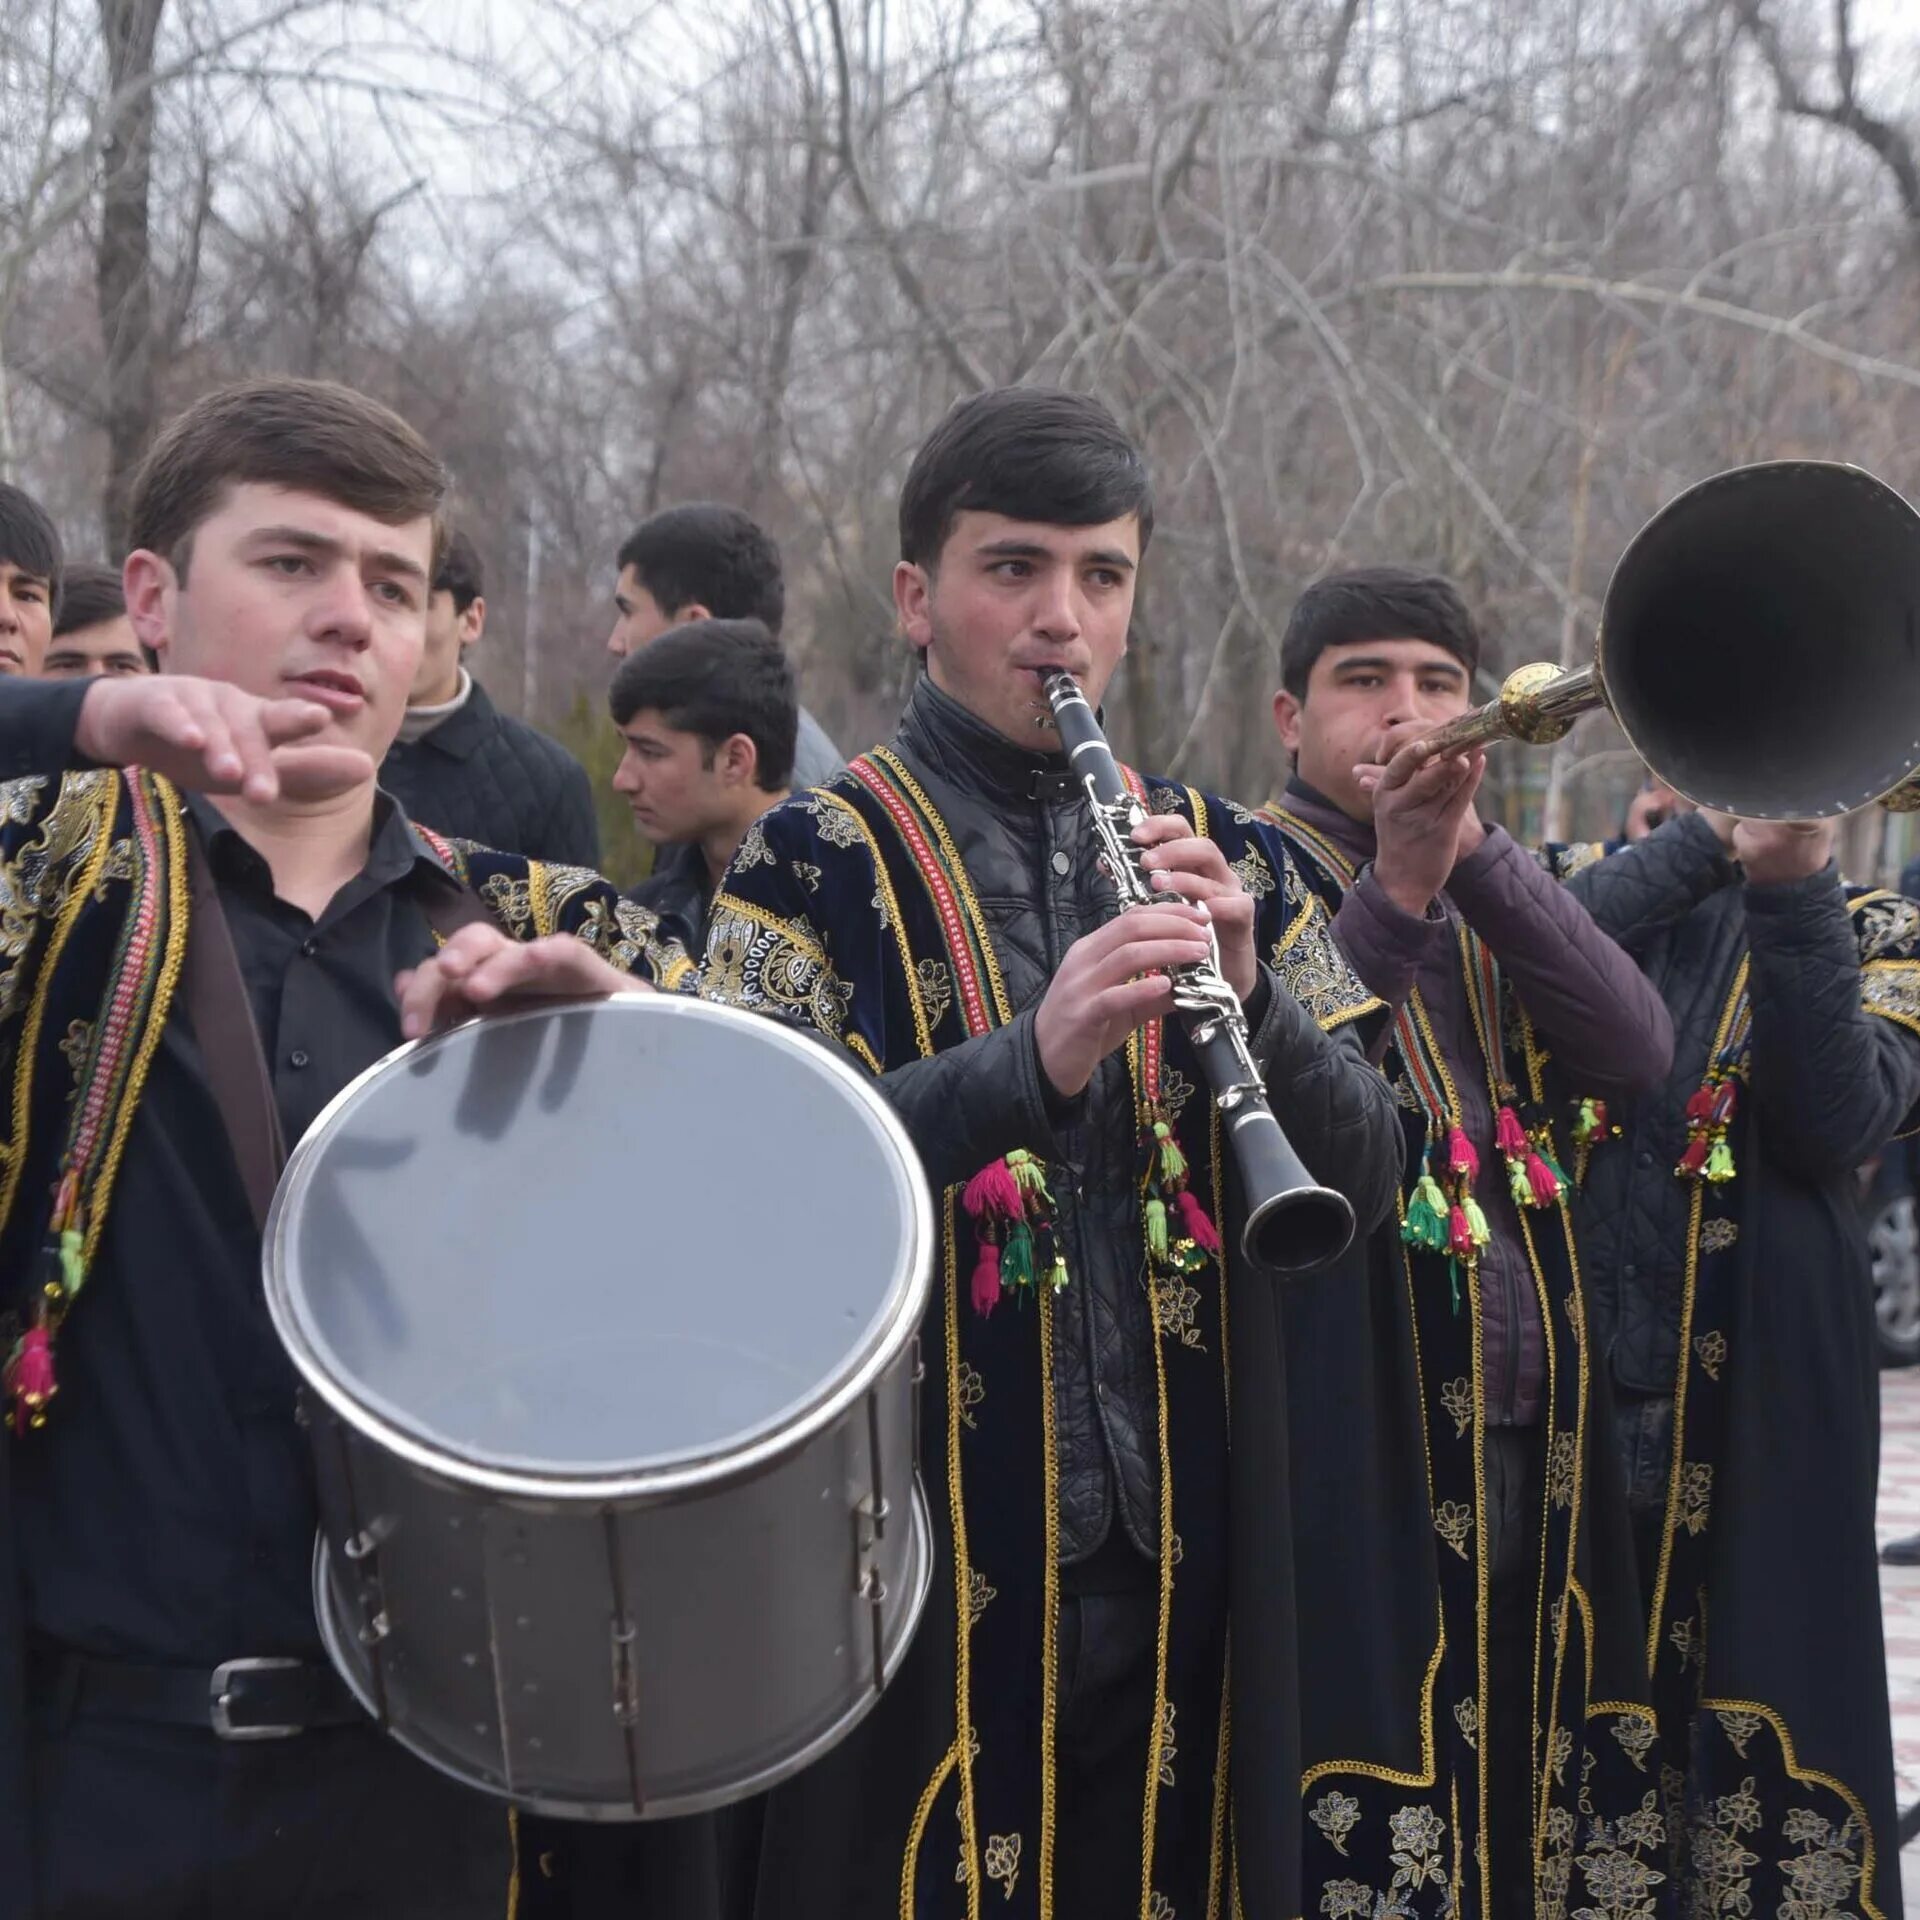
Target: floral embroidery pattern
[(1453, 1521), (806, 873), (838, 825), (1417, 1834), (1466, 1716), (1560, 1469), (1169, 1753), (972, 1390), (1711, 1349), (1176, 1305), (978, 1594), (1696, 1496), (1560, 1752), (1336, 1815), (753, 850), (1003, 1860), (1739, 1729), (1721, 1859), (1821, 1878), (1716, 1236), (936, 989), (1636, 1737), (1457, 1397)]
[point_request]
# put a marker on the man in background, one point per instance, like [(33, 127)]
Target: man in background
[(708, 715), (29, 576), (709, 562), (464, 768), (92, 636)]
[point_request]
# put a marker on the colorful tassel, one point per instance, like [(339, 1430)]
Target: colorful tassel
[(1543, 1183), (1157, 1229), (1518, 1184), (1509, 1135), (1057, 1273), (1719, 1165), (73, 1271), (1426, 1221), (1016, 1259), (1477, 1228), (1693, 1162), (986, 1279), (1173, 1163), (1592, 1125), (993, 1194), (1462, 1161), (1193, 1217), (1029, 1177), (30, 1382), (1459, 1234)]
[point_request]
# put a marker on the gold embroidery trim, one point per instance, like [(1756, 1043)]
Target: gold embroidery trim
[(922, 1813), (1050, 1605), (962, 1583), (78, 895), (172, 854), (513, 1868), (1164, 1634)]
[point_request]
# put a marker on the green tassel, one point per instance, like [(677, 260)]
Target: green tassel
[(1030, 1176), (73, 1270), (1476, 1221), (1173, 1163), (1016, 1258), (1720, 1162), (1518, 1183), (1057, 1278), (1426, 1222), (1557, 1170), (1157, 1230), (1453, 1276)]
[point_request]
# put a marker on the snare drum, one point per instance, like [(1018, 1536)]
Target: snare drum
[(606, 1317)]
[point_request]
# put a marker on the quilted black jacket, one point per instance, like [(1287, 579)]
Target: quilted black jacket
[(481, 775), (1018, 820), (1829, 1082)]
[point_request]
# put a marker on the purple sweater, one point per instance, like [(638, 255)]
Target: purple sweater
[(1606, 1028)]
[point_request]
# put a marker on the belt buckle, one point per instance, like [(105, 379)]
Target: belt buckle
[(220, 1697)]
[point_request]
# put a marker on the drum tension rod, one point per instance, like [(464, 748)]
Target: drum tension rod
[(871, 1513), (626, 1676)]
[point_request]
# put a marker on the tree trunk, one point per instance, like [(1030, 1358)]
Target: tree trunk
[(123, 264)]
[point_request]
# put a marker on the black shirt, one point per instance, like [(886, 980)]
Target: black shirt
[(166, 1512), (680, 891)]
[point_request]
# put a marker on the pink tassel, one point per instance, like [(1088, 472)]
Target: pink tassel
[(1459, 1234), (1546, 1189), (1462, 1161), (1700, 1106), (30, 1380), (1193, 1217), (1509, 1135), (986, 1279), (993, 1194)]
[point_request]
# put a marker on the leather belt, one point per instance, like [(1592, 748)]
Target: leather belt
[(257, 1697)]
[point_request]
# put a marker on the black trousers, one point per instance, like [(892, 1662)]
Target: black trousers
[(1516, 1501), (132, 1821), (1109, 1627)]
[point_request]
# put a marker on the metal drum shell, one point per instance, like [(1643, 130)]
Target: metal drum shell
[(762, 1604)]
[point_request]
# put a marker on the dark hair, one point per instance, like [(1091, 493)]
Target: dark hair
[(709, 556), (29, 539), (89, 594), (716, 678), (459, 571), (1375, 603), (1031, 453), (314, 435)]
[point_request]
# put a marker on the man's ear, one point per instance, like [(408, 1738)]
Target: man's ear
[(913, 604), (693, 610), (473, 622), (738, 761), (1287, 712), (151, 585)]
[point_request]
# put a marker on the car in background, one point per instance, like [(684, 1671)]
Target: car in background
[(1886, 1193)]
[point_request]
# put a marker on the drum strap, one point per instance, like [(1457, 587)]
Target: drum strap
[(215, 991)]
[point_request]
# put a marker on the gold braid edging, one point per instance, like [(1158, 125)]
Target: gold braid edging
[(173, 857), (78, 894)]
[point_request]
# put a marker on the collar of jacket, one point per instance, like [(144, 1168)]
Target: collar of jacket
[(1353, 837), (975, 759), (464, 731)]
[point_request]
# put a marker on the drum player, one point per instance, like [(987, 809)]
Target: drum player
[(214, 919)]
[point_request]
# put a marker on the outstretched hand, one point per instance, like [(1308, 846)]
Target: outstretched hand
[(215, 738), (1424, 821)]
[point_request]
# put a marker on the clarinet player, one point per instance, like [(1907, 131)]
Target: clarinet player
[(1055, 1740)]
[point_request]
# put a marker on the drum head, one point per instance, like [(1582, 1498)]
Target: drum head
[(601, 1243)]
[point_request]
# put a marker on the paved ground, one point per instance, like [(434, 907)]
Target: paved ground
[(1900, 1593)]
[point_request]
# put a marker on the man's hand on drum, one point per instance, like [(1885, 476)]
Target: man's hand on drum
[(481, 967), (216, 738)]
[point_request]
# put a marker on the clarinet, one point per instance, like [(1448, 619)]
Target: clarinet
[(1293, 1222)]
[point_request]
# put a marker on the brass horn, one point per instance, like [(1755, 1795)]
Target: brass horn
[(1759, 646)]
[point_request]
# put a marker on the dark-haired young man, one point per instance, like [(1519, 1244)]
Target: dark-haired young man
[(1489, 967), (223, 881), (461, 766), (709, 562), (1057, 1739), (29, 580), (91, 633), (708, 715)]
